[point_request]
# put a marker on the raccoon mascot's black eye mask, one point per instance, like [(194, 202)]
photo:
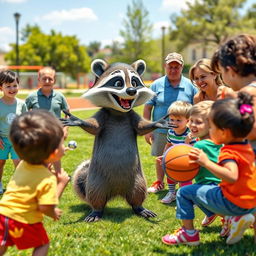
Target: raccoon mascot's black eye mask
[(118, 86)]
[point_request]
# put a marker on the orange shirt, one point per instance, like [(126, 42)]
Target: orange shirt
[(242, 192)]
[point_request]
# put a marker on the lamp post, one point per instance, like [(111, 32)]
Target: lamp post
[(163, 48), (17, 19)]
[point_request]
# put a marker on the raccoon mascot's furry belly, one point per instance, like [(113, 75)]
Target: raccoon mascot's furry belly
[(114, 168)]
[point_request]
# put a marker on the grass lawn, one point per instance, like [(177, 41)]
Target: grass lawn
[(120, 232)]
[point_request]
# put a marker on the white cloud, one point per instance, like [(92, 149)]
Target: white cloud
[(7, 36), (14, 1), (175, 6), (58, 17)]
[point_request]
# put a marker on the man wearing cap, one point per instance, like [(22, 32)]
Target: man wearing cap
[(168, 89)]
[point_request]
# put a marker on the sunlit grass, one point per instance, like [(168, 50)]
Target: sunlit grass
[(120, 232)]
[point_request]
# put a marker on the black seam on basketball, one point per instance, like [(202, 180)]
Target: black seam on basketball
[(189, 170), (175, 158)]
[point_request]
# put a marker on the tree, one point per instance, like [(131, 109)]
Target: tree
[(136, 33), (64, 53), (93, 48), (209, 21), (250, 16)]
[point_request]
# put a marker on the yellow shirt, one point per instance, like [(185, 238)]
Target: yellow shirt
[(30, 186)]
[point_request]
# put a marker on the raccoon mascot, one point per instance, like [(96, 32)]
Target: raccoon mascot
[(114, 168)]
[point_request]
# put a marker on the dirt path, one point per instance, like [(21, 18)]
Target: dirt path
[(79, 103)]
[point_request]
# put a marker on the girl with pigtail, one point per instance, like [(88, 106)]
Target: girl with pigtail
[(231, 120)]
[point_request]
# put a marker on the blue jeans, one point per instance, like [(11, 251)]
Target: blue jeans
[(209, 199)]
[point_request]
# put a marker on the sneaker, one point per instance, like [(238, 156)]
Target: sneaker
[(181, 237), (156, 186), (238, 224), (225, 226), (169, 197), (208, 220)]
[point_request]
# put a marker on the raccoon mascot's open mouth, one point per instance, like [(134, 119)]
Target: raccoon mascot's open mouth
[(124, 103), (118, 86)]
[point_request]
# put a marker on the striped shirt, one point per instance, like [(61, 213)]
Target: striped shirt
[(174, 138)]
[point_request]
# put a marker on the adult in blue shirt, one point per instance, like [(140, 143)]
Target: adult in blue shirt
[(168, 89)]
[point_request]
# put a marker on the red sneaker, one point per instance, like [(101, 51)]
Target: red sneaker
[(181, 237), (156, 186), (208, 220), (225, 226)]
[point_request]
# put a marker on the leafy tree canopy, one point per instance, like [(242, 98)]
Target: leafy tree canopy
[(64, 53), (210, 21)]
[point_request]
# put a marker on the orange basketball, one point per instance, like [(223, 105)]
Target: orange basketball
[(176, 163)]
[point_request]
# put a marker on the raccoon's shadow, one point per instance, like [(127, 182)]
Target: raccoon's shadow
[(113, 214)]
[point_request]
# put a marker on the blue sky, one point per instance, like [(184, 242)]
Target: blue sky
[(89, 20)]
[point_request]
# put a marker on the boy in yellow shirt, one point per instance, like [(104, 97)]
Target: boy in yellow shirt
[(33, 191)]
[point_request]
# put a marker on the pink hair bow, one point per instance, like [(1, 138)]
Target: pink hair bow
[(245, 108)]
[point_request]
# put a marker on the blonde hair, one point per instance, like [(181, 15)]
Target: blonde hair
[(202, 108), (205, 65), (180, 108), (46, 70)]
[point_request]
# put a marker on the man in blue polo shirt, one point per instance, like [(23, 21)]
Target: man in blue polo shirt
[(47, 98), (168, 89)]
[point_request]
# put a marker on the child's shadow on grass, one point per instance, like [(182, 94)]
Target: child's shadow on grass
[(113, 214)]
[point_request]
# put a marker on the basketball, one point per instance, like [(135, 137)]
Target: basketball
[(176, 163)]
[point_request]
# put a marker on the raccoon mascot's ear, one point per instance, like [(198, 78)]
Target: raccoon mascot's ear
[(139, 66), (98, 67)]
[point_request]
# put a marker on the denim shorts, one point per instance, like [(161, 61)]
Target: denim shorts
[(209, 198), (8, 149)]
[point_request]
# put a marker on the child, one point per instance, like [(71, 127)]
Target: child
[(10, 107), (236, 194), (37, 137), (178, 116), (199, 127), (47, 98)]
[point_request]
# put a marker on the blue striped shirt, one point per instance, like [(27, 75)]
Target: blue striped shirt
[(174, 138)]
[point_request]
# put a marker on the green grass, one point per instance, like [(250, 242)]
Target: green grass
[(120, 232)]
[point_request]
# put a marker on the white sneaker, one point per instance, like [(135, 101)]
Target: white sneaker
[(169, 197), (1, 188), (238, 224)]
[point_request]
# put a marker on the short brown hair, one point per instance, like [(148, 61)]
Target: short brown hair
[(8, 77), (35, 135)]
